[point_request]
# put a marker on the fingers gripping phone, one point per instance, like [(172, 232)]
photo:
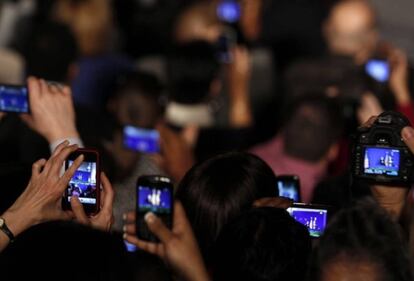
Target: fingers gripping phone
[(289, 187), (85, 183), (142, 140), (314, 217), (14, 98), (154, 194)]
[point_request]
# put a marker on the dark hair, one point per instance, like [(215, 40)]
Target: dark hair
[(191, 69), (219, 189), (139, 83), (49, 51), (263, 244), (364, 234), (148, 88), (313, 125), (65, 251)]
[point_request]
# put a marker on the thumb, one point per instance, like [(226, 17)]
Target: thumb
[(78, 210), (158, 228), (408, 137)]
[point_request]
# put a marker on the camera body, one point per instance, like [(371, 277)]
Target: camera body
[(380, 155)]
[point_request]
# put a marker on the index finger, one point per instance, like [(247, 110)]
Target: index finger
[(370, 121), (33, 86), (58, 159), (64, 180)]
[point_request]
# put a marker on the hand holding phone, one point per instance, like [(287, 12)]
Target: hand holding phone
[(85, 183), (177, 247), (154, 195), (314, 217)]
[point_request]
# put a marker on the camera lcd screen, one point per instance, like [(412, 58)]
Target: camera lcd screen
[(229, 11), (381, 161), (288, 189), (14, 99), (378, 69), (314, 219), (154, 199), (83, 183), (142, 140)]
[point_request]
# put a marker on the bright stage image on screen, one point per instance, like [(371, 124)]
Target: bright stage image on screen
[(141, 139), (156, 200), (14, 99), (83, 183), (314, 219), (288, 190), (381, 161)]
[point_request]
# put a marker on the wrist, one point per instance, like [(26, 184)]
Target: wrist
[(62, 135), (17, 221)]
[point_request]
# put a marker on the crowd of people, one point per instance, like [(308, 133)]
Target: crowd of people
[(239, 93)]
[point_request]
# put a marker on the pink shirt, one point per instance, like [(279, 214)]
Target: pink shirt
[(310, 174)]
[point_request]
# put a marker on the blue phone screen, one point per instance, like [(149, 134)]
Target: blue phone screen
[(142, 140), (14, 99), (378, 69), (314, 219)]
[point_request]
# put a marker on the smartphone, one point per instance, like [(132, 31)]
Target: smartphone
[(142, 140), (226, 42), (14, 98), (289, 186), (314, 217), (228, 11), (85, 183), (378, 69), (154, 194)]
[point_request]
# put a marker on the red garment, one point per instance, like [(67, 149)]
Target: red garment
[(408, 111), (310, 174)]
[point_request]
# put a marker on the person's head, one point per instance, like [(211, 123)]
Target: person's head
[(198, 22), (68, 251), (262, 244), (361, 243), (90, 21), (50, 52), (312, 129), (137, 100), (192, 71), (217, 190), (351, 29)]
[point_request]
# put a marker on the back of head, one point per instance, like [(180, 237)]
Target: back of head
[(361, 243), (191, 68), (49, 51), (313, 126), (263, 244), (65, 251), (219, 189), (138, 100)]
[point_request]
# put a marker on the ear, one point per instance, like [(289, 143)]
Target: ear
[(333, 152)]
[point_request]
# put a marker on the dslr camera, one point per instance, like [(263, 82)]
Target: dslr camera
[(380, 156)]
